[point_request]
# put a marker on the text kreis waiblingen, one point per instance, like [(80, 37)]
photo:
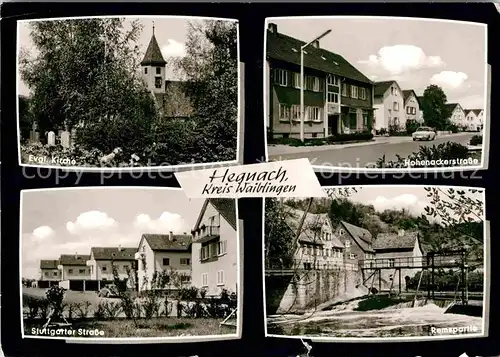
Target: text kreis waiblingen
[(254, 182)]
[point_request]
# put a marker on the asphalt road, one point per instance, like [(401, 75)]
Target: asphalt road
[(365, 156)]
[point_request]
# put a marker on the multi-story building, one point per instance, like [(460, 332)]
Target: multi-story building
[(474, 119), (49, 270), (358, 242), (74, 267), (104, 260), (215, 247), (412, 106), (457, 116), (168, 253), (338, 98), (389, 106)]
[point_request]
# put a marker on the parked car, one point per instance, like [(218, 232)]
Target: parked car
[(424, 133), (109, 291)]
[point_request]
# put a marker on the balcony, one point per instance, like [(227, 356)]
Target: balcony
[(206, 233)]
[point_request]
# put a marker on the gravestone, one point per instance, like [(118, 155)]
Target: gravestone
[(36, 136), (72, 137), (51, 138), (65, 139)]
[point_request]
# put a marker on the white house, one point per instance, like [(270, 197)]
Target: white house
[(389, 106), (474, 119), (103, 259), (49, 270), (412, 106), (215, 247), (457, 116), (317, 246), (170, 253), (74, 267)]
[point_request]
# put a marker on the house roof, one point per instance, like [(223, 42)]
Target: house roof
[(49, 264), (74, 259), (162, 242), (382, 87), (362, 236), (286, 48), (407, 94), (153, 55), (113, 253), (475, 111), (226, 208), (385, 241), (296, 221), (451, 106)]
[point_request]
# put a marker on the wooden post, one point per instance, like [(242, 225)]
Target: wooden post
[(432, 276), (399, 273), (379, 280)]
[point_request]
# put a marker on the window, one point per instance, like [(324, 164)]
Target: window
[(204, 279), (146, 70), (158, 82), (362, 93), (391, 262), (125, 267), (166, 261), (284, 112), (280, 77), (295, 112), (220, 277), (333, 97), (46, 273), (344, 90), (347, 243), (408, 110), (312, 83), (81, 271), (307, 266), (55, 273), (333, 81), (395, 106), (185, 278), (185, 261), (70, 271), (352, 256), (341, 231), (354, 92), (104, 268), (296, 80), (222, 247), (158, 70), (313, 113)]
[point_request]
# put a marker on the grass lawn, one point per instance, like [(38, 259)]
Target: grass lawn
[(157, 327)]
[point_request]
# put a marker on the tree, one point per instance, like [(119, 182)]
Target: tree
[(345, 210), (278, 234), (460, 213), (85, 74), (211, 69), (436, 112), (25, 117)]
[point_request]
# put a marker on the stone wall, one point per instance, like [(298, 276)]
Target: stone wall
[(309, 288)]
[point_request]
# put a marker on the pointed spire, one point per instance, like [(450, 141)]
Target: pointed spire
[(153, 55)]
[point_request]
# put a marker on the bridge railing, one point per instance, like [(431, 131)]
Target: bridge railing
[(416, 262), (309, 263)]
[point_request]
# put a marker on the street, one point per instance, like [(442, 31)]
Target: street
[(367, 155)]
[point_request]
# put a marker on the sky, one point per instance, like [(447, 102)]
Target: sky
[(171, 34), (58, 221), (412, 198), (415, 53)]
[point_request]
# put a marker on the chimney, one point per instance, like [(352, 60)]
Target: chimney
[(171, 236), (272, 27), (401, 233), (76, 256), (120, 248), (315, 44)]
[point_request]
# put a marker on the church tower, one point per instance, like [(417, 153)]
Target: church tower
[(153, 66)]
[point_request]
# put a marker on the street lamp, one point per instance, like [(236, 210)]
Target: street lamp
[(302, 116)]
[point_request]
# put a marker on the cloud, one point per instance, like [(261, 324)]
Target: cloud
[(165, 223), (449, 79), (43, 233), (406, 201), (91, 220), (398, 59), (173, 49)]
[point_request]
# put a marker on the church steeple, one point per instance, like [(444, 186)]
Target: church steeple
[(153, 56), (153, 66)]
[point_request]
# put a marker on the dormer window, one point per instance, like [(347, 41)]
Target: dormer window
[(305, 52), (146, 70), (323, 58), (335, 63), (294, 50)]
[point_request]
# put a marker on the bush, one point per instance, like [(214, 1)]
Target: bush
[(359, 136), (450, 151), (411, 126), (381, 131), (55, 297), (33, 307), (453, 128), (393, 129), (476, 140), (189, 294)]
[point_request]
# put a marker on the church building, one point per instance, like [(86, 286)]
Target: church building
[(169, 95)]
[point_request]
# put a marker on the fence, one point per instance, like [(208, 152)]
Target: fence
[(309, 263)]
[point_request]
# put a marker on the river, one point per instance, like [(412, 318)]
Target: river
[(395, 321)]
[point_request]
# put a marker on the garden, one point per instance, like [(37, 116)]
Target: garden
[(156, 312)]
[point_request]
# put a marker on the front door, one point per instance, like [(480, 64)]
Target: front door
[(333, 124)]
